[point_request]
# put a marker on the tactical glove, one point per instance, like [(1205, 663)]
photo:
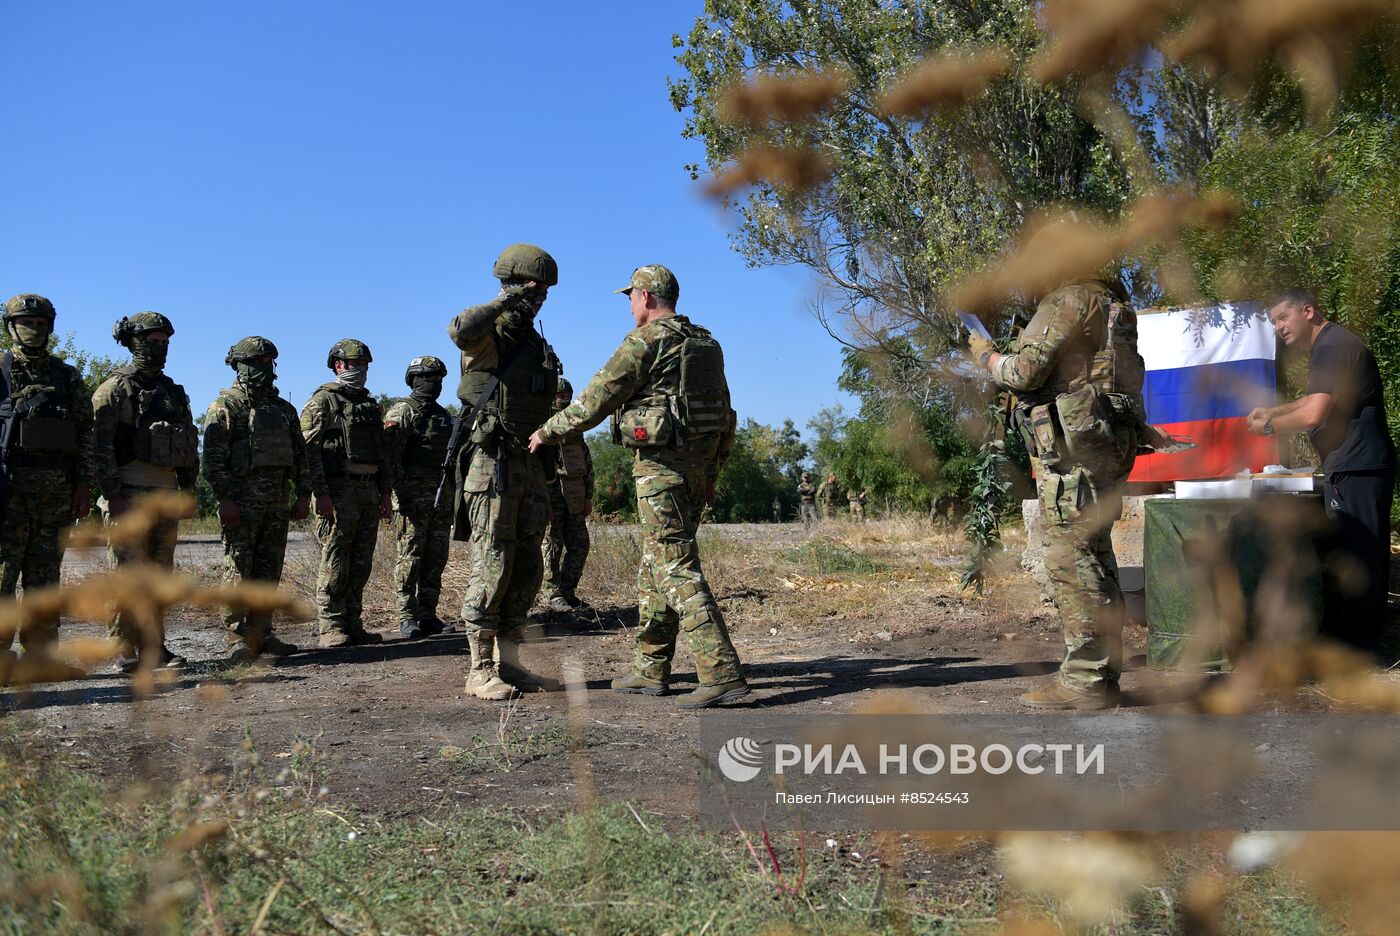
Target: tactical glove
[(981, 349)]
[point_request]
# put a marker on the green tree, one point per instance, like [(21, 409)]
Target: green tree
[(614, 493)]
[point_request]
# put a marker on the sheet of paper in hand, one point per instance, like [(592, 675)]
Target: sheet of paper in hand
[(974, 324)]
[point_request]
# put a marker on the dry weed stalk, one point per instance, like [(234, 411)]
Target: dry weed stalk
[(944, 81), (1056, 248), (783, 98), (1093, 35), (795, 169)]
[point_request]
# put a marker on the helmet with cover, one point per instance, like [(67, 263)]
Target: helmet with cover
[(29, 304), (526, 262), (254, 346), (425, 366), (129, 328), (348, 349)]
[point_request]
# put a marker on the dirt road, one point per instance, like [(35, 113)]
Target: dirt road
[(389, 726)]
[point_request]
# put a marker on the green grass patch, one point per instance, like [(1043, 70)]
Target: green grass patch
[(829, 559), (267, 851)]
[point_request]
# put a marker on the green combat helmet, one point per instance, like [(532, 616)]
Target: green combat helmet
[(526, 262), (425, 366), (26, 304), (348, 349), (564, 388), (128, 329), (254, 346)]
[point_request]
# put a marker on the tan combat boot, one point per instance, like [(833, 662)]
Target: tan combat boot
[(1057, 696), (482, 680), (508, 663)]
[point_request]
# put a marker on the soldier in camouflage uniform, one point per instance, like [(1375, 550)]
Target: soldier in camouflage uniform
[(666, 387), (826, 496), (46, 410), (144, 441), (351, 479), (571, 501), (509, 376), (855, 503), (1078, 376), (807, 500), (253, 454), (416, 433)]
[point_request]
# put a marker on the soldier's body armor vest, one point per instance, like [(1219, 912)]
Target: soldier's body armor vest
[(161, 432), (1092, 410), (427, 436), (360, 440), (43, 415), (260, 431), (686, 396), (524, 399)]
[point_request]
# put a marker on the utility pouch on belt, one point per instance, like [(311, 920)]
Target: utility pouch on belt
[(173, 445), (1045, 434), (644, 427), (1087, 421)]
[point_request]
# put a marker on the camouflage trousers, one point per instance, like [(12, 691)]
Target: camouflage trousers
[(31, 543), (254, 550), (424, 538), (157, 547), (1076, 525), (808, 513), (347, 554), (674, 595), (507, 524), (857, 510), (565, 547), (828, 510)]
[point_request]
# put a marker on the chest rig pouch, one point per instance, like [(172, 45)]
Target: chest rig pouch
[(426, 446), (44, 422), (159, 433), (269, 437)]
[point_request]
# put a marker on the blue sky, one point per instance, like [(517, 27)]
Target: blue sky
[(313, 170)]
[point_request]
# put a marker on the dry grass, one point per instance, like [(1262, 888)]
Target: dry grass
[(783, 98), (944, 82)]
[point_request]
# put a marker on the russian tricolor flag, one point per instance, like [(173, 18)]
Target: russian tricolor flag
[(1207, 367)]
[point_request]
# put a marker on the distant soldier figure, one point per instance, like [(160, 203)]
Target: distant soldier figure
[(826, 496), (667, 388), (777, 510), (855, 502), (509, 375), (1078, 378), (416, 432), (571, 502), (350, 475), (144, 440), (807, 500), (254, 455), (46, 431)]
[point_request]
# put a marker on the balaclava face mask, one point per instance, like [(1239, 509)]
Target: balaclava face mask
[(426, 389), (353, 377), (30, 341), (148, 356), (256, 377)]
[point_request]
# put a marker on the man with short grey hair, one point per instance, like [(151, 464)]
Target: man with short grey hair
[(1343, 413)]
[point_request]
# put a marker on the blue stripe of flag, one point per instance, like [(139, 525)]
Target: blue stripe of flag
[(1208, 391)]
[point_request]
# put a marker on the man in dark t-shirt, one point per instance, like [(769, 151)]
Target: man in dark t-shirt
[(1343, 413)]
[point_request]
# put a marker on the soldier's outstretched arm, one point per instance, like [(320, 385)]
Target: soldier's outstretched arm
[(616, 383), (1034, 359)]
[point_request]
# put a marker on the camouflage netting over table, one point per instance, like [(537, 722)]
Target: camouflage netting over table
[(1218, 571)]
